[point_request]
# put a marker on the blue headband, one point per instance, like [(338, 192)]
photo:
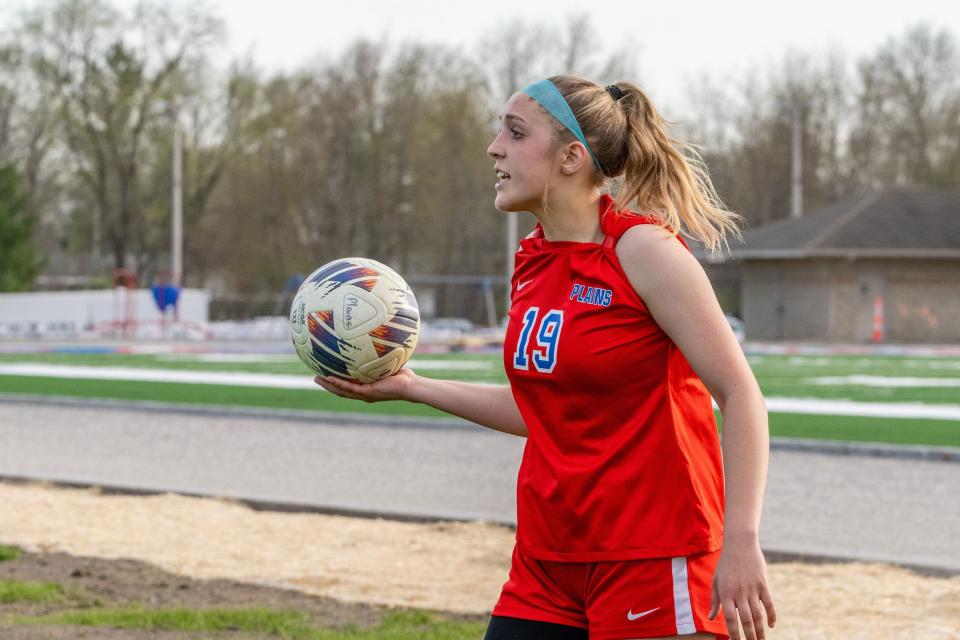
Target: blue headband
[(548, 96)]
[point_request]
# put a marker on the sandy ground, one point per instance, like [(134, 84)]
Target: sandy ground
[(451, 567)]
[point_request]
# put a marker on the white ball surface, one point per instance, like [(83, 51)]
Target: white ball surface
[(355, 318)]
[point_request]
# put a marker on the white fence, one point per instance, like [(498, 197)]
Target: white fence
[(100, 313)]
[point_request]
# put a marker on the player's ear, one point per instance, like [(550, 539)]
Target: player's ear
[(574, 156)]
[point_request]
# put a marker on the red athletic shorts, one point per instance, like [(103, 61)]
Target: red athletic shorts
[(615, 600)]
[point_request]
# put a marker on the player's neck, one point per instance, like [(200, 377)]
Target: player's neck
[(572, 220)]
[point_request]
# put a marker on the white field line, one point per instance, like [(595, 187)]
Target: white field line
[(883, 381), (816, 406), (247, 358), (864, 363), (240, 379), (774, 405), (230, 378), (932, 364), (810, 362), (264, 358)]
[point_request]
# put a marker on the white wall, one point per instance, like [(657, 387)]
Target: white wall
[(91, 313)]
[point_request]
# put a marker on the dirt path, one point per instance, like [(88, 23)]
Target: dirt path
[(450, 567)]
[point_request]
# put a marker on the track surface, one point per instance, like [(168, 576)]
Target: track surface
[(885, 509)]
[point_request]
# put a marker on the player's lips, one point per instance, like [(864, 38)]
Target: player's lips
[(502, 176)]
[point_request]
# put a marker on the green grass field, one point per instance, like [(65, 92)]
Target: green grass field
[(74, 607), (55, 604), (18, 591), (779, 377), (263, 623)]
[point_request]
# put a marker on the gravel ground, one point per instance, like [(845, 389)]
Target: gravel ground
[(170, 550), (885, 509)]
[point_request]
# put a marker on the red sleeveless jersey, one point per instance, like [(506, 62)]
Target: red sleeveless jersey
[(622, 460)]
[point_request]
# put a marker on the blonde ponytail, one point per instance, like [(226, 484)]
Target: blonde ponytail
[(663, 176)]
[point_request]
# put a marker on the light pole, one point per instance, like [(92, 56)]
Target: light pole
[(177, 197), (796, 168)]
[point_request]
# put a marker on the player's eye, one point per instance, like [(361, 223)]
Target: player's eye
[(515, 134)]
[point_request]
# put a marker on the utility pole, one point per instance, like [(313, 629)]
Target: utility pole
[(176, 249), (796, 168), (176, 216)]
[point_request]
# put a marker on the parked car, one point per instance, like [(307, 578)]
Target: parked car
[(440, 329)]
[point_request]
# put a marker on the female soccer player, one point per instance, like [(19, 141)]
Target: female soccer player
[(615, 345)]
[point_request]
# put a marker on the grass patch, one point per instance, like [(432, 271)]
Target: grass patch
[(408, 626), (492, 372), (796, 388), (789, 376), (942, 433), (265, 622), (931, 433), (17, 591), (779, 376), (8, 553), (207, 394), (261, 621)]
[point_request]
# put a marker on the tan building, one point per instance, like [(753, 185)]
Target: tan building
[(877, 267)]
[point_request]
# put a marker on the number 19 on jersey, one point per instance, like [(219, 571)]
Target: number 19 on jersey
[(544, 354)]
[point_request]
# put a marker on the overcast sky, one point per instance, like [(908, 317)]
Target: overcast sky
[(674, 40)]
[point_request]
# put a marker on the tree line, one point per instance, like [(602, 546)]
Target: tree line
[(889, 120), (380, 150)]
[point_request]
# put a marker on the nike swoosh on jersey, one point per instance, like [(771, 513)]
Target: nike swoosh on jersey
[(521, 285), (633, 616)]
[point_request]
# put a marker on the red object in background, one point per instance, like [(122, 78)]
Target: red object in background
[(877, 335), (124, 302)]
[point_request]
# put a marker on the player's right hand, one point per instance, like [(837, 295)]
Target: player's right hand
[(395, 387)]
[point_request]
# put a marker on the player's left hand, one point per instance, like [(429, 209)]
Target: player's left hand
[(740, 586)]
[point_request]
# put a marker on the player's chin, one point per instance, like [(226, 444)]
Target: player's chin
[(506, 204)]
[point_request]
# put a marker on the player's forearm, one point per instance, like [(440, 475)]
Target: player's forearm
[(746, 444), (489, 405)]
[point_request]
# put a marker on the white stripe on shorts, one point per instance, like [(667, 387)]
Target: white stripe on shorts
[(681, 598)]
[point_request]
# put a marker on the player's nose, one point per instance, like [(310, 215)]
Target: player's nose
[(495, 149)]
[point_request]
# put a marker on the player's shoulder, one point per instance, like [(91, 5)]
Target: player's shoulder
[(643, 243), (653, 259), (645, 232)]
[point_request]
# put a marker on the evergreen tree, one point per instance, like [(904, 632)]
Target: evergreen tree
[(19, 263)]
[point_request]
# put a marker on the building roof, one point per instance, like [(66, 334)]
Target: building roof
[(897, 224)]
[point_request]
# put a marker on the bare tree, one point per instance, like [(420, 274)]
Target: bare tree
[(906, 126), (585, 54), (745, 128), (515, 53), (112, 76)]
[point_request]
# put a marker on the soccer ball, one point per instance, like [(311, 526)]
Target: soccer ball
[(355, 318)]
